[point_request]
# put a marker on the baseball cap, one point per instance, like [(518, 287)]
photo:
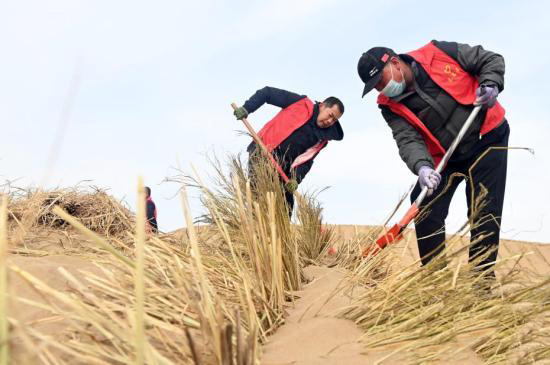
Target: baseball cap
[(371, 64)]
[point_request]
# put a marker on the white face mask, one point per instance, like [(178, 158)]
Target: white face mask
[(394, 88)]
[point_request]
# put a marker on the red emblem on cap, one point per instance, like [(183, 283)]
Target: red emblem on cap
[(385, 57)]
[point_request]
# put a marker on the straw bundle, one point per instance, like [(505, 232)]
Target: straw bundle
[(206, 294), (96, 209), (314, 238), (423, 311)]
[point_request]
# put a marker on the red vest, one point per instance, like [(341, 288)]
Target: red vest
[(459, 84), (285, 123)]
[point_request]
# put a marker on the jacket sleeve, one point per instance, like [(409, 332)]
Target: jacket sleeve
[(273, 96), (486, 65), (412, 148)]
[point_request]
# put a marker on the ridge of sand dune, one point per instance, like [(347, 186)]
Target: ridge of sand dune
[(312, 334)]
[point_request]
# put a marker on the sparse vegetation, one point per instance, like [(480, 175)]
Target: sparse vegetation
[(213, 293)]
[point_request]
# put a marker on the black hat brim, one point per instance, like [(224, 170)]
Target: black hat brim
[(371, 83)]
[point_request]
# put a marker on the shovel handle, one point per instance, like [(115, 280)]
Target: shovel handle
[(450, 151), (395, 233), (260, 143)]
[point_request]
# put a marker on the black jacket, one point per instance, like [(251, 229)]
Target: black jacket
[(301, 139), (151, 216), (441, 114)]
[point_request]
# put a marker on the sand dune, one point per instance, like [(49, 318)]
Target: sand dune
[(313, 332)]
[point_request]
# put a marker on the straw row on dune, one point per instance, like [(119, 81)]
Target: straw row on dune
[(214, 292)]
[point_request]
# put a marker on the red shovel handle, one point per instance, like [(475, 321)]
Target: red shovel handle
[(394, 234), (409, 216)]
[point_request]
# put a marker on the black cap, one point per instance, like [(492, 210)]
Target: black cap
[(371, 64)]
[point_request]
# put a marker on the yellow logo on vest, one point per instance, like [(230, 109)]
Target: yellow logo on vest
[(451, 71)]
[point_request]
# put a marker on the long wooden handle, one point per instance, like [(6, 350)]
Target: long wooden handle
[(260, 143)]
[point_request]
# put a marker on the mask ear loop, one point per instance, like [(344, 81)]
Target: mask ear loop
[(402, 77), (389, 82)]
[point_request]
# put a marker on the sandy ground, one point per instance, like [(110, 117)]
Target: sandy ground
[(42, 258), (312, 333)]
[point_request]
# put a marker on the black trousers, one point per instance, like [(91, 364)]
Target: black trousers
[(488, 173)]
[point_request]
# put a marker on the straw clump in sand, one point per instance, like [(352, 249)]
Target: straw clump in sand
[(441, 311), (96, 209), (209, 294), (213, 293)]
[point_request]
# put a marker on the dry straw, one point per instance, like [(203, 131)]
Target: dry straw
[(213, 293), (417, 314), (141, 344), (93, 207), (4, 329), (206, 294)]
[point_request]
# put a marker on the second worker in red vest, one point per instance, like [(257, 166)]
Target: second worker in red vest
[(297, 133), (425, 97)]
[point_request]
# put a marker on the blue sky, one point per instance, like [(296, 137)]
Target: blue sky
[(154, 83)]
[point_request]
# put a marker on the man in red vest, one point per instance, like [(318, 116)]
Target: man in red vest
[(297, 133), (425, 97)]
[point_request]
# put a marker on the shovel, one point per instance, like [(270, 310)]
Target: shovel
[(396, 232)]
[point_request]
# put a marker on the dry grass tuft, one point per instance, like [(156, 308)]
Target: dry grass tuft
[(96, 209), (206, 294), (314, 238), (426, 312), (4, 328), (212, 293)]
